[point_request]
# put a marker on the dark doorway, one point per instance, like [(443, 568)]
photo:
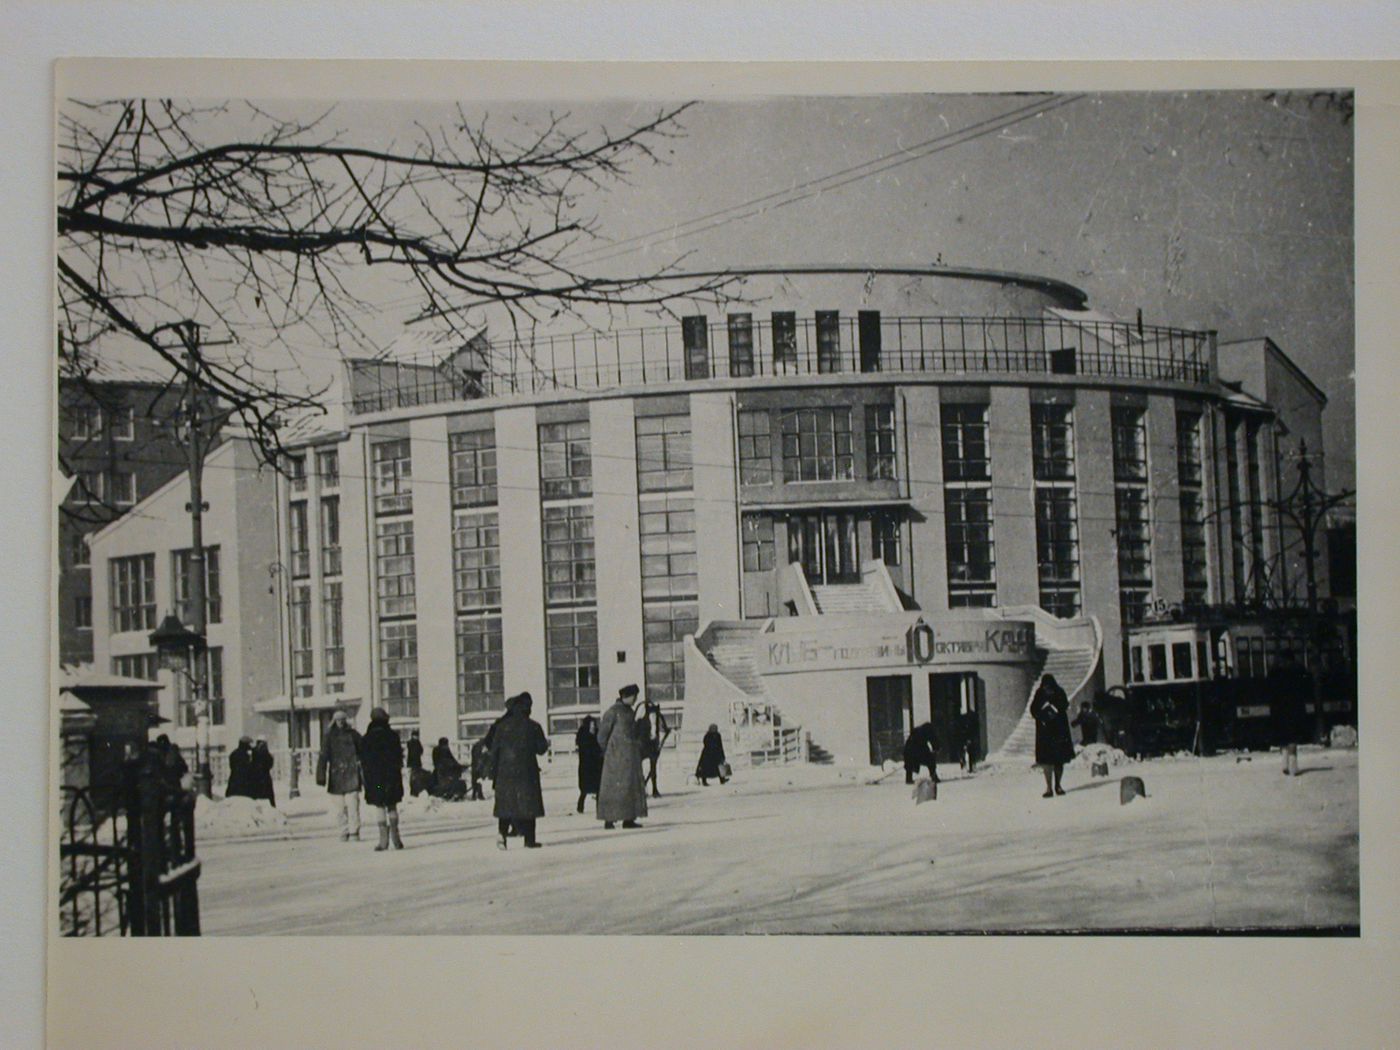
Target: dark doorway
[(824, 544), (890, 701), (959, 713)]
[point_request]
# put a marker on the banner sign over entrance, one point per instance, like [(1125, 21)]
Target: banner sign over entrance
[(850, 646)]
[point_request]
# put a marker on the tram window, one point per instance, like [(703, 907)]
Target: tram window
[(1242, 663), (1181, 660), (1136, 655), (1157, 662), (1202, 663)]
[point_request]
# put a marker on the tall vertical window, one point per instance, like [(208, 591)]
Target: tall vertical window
[(570, 568), (78, 555), (572, 657), (186, 715), (473, 454), (566, 460), (330, 535), (121, 490), (328, 467), (1056, 508), (476, 561), (669, 567), (91, 486), (394, 568), (828, 341), (333, 627), (299, 538), (868, 325), (784, 340), (664, 628), (84, 422), (1190, 476), (967, 506), (82, 612), (398, 668), (817, 444), (133, 589), (755, 447), (393, 477), (741, 344), (296, 473), (121, 423), (695, 340), (1132, 512), (664, 461), (1235, 491), (880, 450), (181, 579), (965, 447), (758, 549), (301, 631), (480, 669), (1258, 581), (885, 536)]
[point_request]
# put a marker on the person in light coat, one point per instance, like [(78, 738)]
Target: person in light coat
[(338, 771), (621, 792)]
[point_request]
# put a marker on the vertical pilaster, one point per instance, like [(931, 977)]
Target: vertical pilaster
[(617, 548), (716, 511), (1013, 496), (1098, 543), (522, 567), (432, 566)]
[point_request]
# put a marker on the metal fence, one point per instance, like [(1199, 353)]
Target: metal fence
[(785, 345)]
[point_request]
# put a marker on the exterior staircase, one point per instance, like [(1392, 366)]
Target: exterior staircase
[(730, 652), (848, 598)]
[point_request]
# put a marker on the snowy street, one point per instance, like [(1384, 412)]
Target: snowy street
[(807, 849)]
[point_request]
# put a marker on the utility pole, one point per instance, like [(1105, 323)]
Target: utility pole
[(199, 625)]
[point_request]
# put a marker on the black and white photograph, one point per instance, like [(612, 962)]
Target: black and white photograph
[(851, 513)]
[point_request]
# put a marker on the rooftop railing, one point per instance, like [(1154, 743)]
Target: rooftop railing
[(744, 346)]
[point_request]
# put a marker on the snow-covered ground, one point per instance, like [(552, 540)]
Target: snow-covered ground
[(1218, 843)]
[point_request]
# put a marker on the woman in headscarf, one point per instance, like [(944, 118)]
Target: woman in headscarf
[(711, 758), (621, 793), (590, 759), (517, 741), (381, 760), (1054, 746)]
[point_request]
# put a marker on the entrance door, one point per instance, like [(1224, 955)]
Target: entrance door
[(957, 712), (824, 544), (890, 701)]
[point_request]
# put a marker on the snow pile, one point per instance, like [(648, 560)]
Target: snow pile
[(236, 816), (1095, 754), (422, 804), (1343, 736)]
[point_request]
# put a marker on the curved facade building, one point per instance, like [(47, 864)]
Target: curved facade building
[(860, 500)]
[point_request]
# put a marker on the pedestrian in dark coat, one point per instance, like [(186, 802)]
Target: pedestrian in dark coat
[(1088, 723), (621, 792), (1054, 745), (711, 757), (590, 759), (338, 771), (447, 773), (481, 756), (240, 761), (381, 757), (921, 751), (415, 751), (516, 745), (260, 773)]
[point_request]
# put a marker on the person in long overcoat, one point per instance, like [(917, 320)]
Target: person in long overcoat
[(447, 773), (240, 761), (516, 745), (590, 759), (338, 771), (621, 792), (711, 757), (260, 773), (1054, 746), (415, 751), (381, 757)]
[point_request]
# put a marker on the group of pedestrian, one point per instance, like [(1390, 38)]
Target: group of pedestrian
[(373, 763), (250, 771)]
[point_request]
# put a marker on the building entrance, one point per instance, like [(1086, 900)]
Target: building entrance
[(890, 702), (958, 711), (824, 544)]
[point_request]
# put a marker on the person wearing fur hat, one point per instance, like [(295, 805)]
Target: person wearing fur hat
[(338, 771), (517, 741), (381, 758), (621, 793)]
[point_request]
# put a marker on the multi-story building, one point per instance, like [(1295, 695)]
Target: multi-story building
[(117, 442), (887, 496)]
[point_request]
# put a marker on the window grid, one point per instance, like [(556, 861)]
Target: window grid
[(965, 445), (669, 568), (394, 568), (143, 666), (664, 460), (474, 478), (393, 477), (476, 561), (79, 557), (398, 668), (301, 631), (664, 628), (122, 488), (328, 467), (1057, 549), (885, 536), (480, 665), (84, 422), (571, 658), (880, 449), (1132, 512), (1190, 478), (330, 536), (1052, 442), (296, 473), (123, 424), (1129, 444), (133, 586), (828, 341), (741, 344), (82, 612), (570, 566), (971, 547), (784, 335), (758, 543), (180, 579), (333, 627), (186, 715), (566, 460), (817, 444), (299, 538), (755, 447)]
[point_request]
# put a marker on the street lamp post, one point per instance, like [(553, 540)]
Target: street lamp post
[(278, 570), (184, 651)]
